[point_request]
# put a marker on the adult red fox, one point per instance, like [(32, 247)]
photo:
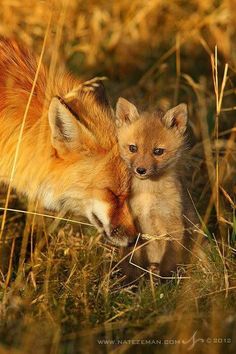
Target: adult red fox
[(69, 156)]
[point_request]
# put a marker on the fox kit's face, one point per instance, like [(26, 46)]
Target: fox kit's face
[(94, 182), (150, 143)]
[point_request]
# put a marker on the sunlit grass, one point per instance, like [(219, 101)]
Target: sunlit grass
[(60, 286)]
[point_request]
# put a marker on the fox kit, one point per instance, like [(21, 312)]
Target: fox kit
[(152, 144), (68, 155)]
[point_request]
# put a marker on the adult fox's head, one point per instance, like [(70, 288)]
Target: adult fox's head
[(69, 159), (92, 179), (150, 143)]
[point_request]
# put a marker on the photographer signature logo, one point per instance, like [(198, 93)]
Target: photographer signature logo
[(193, 341)]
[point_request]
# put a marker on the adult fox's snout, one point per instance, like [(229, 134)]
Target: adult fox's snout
[(114, 221), (123, 232)]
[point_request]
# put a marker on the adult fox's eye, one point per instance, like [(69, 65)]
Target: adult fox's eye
[(158, 151), (133, 148)]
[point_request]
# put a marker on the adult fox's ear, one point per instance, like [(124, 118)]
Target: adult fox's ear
[(176, 118), (67, 133), (126, 112)]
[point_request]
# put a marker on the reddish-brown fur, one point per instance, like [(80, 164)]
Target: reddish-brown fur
[(82, 173), (155, 142)]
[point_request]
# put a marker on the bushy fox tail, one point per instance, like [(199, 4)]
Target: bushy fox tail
[(18, 68)]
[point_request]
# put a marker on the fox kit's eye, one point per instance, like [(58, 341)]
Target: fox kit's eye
[(158, 151), (133, 148)]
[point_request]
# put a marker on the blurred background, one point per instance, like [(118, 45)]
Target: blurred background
[(148, 44), (156, 53)]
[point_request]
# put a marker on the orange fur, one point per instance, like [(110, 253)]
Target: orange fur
[(82, 172)]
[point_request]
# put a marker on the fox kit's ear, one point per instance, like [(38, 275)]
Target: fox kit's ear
[(67, 133), (126, 112), (176, 118)]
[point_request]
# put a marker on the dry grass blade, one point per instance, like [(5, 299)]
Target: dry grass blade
[(227, 196), (87, 86), (21, 132), (47, 216)]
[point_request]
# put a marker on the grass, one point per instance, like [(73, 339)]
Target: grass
[(59, 289)]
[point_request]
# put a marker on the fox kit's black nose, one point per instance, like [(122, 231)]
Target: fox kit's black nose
[(141, 170)]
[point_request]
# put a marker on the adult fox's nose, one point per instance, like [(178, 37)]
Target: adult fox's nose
[(141, 170)]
